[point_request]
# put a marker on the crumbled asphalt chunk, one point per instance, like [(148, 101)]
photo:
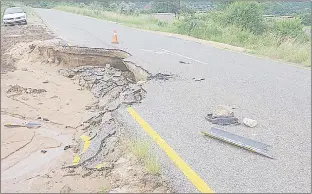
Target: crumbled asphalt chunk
[(161, 76), (222, 120), (112, 87)]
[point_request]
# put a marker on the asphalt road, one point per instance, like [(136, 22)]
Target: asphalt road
[(277, 95)]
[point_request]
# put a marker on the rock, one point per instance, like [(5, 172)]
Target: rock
[(222, 110), (67, 73), (46, 81), (66, 189), (43, 151), (250, 122), (67, 147), (24, 69), (107, 65)]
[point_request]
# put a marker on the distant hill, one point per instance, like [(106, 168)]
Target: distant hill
[(287, 7)]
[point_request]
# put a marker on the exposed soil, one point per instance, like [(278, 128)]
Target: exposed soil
[(73, 103), (12, 35)]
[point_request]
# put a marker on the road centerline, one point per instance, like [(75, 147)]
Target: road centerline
[(197, 181), (186, 57)]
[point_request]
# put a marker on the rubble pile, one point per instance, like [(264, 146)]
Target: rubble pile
[(113, 88)]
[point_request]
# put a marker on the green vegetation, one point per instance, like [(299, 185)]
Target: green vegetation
[(286, 7), (141, 149), (103, 189), (239, 23)]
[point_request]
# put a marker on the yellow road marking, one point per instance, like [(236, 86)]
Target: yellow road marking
[(100, 165), (198, 182), (86, 145), (76, 160)]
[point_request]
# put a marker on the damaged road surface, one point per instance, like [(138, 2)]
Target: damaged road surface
[(70, 95), (276, 95)]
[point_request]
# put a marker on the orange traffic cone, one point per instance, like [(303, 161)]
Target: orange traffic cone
[(115, 39)]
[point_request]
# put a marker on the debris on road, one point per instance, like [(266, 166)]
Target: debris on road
[(198, 79), (183, 62), (28, 125), (43, 151), (46, 81), (222, 120), (161, 76), (246, 143), (250, 122), (67, 147), (223, 115)]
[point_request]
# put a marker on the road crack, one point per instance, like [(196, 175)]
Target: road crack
[(20, 147), (31, 153)]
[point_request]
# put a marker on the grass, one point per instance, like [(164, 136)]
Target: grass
[(208, 28), (103, 189), (138, 21), (141, 149)]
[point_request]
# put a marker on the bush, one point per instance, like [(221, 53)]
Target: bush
[(288, 27), (185, 10), (305, 19), (113, 7), (245, 14), (126, 8)]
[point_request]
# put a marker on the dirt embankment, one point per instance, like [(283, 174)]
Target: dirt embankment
[(71, 93)]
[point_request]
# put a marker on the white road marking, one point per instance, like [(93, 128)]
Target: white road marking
[(198, 61), (153, 51)]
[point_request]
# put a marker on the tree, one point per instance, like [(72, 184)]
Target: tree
[(166, 6)]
